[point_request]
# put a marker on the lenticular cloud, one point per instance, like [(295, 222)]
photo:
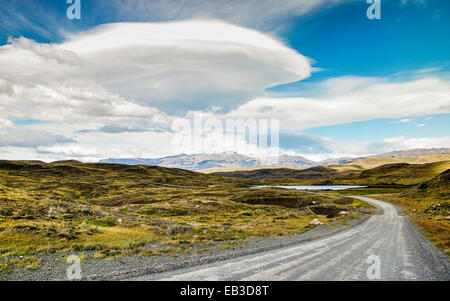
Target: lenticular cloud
[(189, 64)]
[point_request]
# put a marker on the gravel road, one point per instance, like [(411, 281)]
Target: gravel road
[(384, 247)]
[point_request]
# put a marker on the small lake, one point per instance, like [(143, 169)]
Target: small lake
[(316, 187)]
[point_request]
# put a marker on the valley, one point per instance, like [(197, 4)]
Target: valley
[(109, 212)]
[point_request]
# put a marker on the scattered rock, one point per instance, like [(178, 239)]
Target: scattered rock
[(343, 212), (54, 211), (119, 221), (343, 201), (315, 222), (177, 229)]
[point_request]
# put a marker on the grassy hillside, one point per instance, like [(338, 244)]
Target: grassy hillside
[(121, 209), (280, 173), (399, 173), (372, 162), (389, 174), (438, 187)]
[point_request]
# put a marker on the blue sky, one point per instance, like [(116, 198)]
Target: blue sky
[(352, 57), (378, 129), (344, 41), (341, 39)]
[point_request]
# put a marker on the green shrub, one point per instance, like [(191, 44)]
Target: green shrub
[(6, 211), (29, 263), (5, 268)]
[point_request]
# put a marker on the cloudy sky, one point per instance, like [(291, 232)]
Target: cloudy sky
[(113, 83)]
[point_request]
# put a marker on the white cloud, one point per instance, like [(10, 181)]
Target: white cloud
[(329, 148), (404, 120), (306, 144), (30, 138), (186, 65), (170, 66), (100, 145), (47, 83), (346, 84), (72, 100), (75, 101), (376, 100), (114, 129), (393, 144), (5, 123), (30, 62)]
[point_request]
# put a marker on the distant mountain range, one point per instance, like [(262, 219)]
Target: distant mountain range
[(223, 161), (235, 161), (418, 152)]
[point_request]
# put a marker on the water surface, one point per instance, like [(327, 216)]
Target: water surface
[(316, 187)]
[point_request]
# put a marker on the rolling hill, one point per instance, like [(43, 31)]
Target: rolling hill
[(388, 174), (69, 206), (318, 172), (439, 187), (394, 174), (371, 162)]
